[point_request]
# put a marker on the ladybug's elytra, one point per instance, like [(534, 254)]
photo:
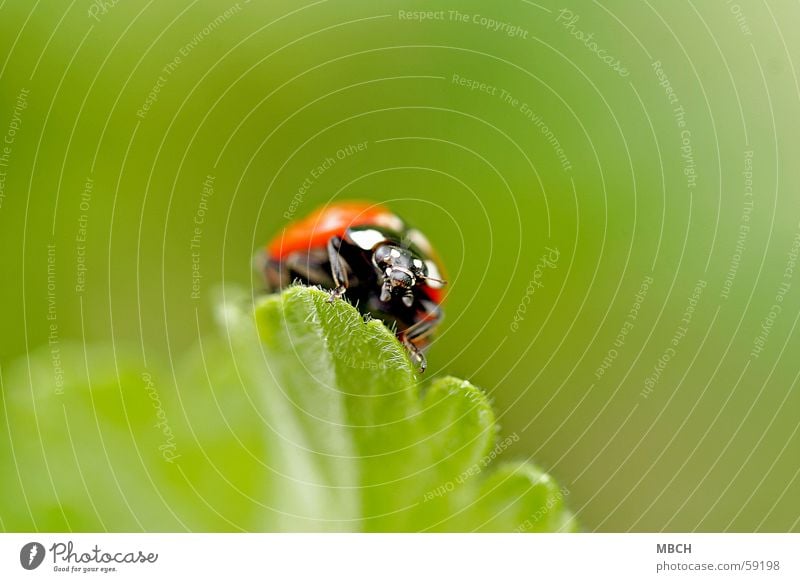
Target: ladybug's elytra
[(387, 269)]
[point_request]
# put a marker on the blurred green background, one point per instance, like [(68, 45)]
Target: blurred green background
[(496, 127)]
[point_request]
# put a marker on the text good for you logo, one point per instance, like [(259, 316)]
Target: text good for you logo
[(68, 558)]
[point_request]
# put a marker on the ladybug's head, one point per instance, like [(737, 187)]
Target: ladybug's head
[(402, 271)]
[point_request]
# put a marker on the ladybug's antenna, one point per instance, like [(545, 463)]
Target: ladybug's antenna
[(441, 282)]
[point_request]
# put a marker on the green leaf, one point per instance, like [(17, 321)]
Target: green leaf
[(361, 444), (298, 416)]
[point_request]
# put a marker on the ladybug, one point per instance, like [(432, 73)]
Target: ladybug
[(364, 250)]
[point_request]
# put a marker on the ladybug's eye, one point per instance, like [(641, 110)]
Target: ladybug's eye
[(383, 255)]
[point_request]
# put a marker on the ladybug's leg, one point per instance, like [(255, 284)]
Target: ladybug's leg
[(307, 268), (433, 315), (416, 354), (338, 268), (274, 276)]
